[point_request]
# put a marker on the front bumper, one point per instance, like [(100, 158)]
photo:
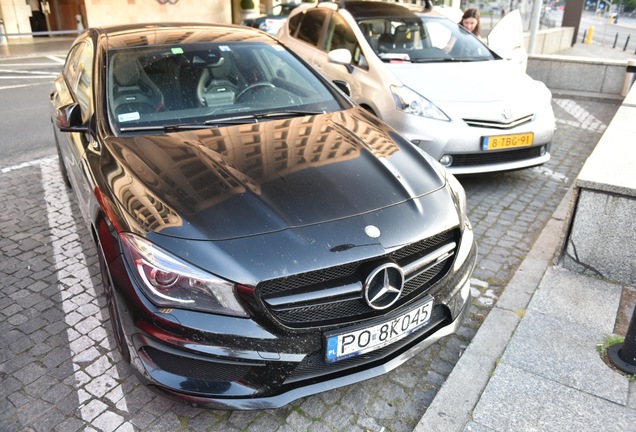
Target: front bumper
[(235, 363), (330, 383), (462, 142)]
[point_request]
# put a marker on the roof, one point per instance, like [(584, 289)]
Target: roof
[(375, 9), (135, 35)]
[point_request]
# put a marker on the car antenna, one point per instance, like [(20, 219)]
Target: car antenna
[(341, 3)]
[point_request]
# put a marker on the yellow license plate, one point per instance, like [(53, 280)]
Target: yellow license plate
[(502, 142)]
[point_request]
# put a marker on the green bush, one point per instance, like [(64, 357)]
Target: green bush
[(247, 4)]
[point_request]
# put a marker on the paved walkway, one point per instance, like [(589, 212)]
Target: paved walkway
[(534, 364), (35, 46)]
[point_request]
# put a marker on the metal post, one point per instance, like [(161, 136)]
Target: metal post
[(623, 356), (615, 40), (534, 27), (584, 35), (3, 38), (626, 42), (630, 75)]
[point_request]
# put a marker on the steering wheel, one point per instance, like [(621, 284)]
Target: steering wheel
[(251, 87)]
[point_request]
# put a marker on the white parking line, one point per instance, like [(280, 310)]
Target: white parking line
[(96, 376), (30, 74), (57, 59), (56, 64), (584, 119), (16, 77), (550, 173), (24, 85), (27, 164)]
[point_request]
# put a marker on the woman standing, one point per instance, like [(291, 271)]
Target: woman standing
[(471, 21)]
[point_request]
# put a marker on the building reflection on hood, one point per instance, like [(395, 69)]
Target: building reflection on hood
[(160, 178)]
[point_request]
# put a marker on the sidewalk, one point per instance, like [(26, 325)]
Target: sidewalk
[(36, 46), (534, 364), (595, 50)]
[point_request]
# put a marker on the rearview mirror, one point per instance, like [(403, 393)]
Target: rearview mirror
[(341, 56), (343, 86), (69, 118)]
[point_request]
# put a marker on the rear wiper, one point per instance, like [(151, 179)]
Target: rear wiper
[(257, 117)]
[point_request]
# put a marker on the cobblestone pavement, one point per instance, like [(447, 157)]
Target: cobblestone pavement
[(58, 367)]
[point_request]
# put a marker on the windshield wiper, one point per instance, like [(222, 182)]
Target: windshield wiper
[(221, 121), (256, 117), (446, 60), (166, 127)]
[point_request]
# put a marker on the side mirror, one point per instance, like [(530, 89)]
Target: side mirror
[(69, 118), (341, 56), (343, 86)]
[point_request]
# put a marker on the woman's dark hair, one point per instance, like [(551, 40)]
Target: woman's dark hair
[(472, 13)]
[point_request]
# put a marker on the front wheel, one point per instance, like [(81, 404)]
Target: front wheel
[(113, 310), (60, 161)]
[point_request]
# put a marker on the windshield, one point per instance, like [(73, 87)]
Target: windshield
[(198, 84), (423, 39)]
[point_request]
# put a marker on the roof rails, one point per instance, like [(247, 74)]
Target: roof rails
[(331, 4)]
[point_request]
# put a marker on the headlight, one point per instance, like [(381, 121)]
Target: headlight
[(412, 103), (170, 282), (459, 197)]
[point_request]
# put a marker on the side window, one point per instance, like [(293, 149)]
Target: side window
[(340, 35), (84, 81), (311, 26), (294, 22), (70, 67), (78, 71)]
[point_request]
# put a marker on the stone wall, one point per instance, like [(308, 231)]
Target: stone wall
[(601, 240), (550, 41)]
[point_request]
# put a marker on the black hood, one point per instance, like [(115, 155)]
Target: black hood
[(258, 178)]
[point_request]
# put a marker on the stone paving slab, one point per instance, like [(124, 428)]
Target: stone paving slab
[(516, 400), (568, 317)]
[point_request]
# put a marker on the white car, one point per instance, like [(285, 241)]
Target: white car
[(434, 82)]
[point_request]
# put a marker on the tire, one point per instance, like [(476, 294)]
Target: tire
[(113, 310), (60, 161)]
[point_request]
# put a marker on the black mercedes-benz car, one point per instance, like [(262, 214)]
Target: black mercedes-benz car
[(261, 238)]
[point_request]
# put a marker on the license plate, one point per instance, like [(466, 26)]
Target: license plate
[(371, 338), (500, 142)]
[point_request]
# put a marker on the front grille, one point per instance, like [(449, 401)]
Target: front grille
[(315, 365), (496, 157), (499, 125), (334, 296), (194, 368)]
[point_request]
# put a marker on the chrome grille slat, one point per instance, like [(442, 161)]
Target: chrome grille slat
[(492, 157), (334, 296), (499, 125)]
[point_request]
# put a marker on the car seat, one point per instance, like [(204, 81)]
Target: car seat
[(385, 43), (133, 91), (216, 86), (403, 37)]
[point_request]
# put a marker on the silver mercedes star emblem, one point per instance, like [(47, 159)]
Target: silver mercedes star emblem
[(372, 231), (383, 286)]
